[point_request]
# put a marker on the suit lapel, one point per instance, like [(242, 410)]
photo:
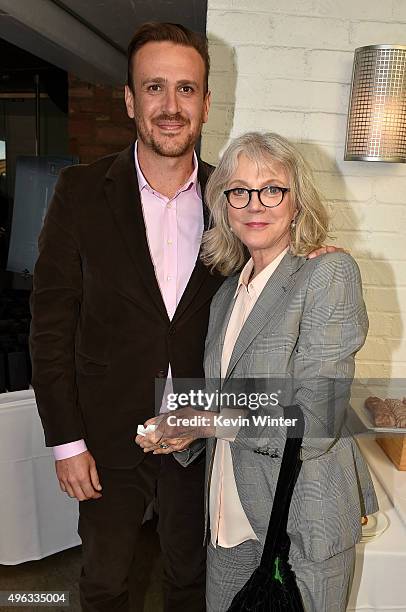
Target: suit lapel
[(222, 316), (269, 306), (123, 196), (200, 272), (203, 173)]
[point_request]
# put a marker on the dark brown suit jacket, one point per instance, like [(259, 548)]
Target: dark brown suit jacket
[(100, 332)]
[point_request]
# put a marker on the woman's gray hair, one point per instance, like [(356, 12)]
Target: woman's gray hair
[(221, 249)]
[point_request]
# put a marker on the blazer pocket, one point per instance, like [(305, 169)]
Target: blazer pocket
[(269, 345), (327, 495), (89, 365), (282, 338)]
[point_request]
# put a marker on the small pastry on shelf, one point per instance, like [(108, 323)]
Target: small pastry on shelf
[(382, 413)]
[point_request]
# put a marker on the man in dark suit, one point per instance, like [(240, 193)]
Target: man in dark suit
[(120, 298)]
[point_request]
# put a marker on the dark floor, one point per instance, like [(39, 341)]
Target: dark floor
[(60, 572)]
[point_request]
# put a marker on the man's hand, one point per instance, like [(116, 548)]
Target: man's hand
[(78, 476), (325, 249)]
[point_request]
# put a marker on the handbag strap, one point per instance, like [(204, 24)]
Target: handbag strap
[(277, 540)]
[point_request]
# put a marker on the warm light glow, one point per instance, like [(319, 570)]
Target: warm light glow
[(376, 129)]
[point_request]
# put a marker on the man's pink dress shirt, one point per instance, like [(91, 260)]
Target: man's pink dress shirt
[(174, 231)]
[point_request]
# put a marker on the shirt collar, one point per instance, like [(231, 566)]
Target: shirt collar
[(191, 182), (256, 286)]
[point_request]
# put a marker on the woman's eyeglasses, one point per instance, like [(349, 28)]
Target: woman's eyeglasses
[(269, 196)]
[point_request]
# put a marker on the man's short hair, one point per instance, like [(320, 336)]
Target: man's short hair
[(168, 32)]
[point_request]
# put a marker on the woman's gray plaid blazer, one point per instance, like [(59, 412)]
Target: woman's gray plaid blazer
[(300, 339)]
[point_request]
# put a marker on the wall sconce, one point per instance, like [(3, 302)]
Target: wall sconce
[(376, 127)]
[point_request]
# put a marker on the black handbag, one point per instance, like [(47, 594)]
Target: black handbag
[(272, 587)]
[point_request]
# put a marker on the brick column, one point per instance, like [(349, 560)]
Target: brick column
[(98, 122)]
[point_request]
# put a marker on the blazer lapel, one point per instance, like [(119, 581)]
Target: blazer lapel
[(269, 306), (123, 196), (200, 272), (222, 316), (203, 173)]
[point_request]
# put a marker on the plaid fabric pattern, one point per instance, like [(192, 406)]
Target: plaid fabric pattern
[(304, 331)]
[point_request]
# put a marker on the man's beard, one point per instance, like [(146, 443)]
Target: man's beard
[(167, 145)]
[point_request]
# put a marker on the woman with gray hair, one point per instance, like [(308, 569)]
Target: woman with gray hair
[(225, 250), (293, 325)]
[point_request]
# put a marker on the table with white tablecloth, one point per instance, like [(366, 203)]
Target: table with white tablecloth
[(380, 573), (36, 518)]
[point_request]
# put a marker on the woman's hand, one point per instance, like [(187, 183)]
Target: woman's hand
[(176, 430), (175, 445)]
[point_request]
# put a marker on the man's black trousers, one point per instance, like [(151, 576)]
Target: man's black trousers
[(109, 528)]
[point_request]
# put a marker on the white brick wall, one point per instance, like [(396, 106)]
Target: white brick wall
[(286, 66)]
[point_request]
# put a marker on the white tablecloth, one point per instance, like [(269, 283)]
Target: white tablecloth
[(380, 572), (36, 518)]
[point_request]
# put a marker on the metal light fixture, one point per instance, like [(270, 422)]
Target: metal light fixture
[(376, 128)]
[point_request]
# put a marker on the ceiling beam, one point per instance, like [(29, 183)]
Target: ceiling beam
[(46, 30)]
